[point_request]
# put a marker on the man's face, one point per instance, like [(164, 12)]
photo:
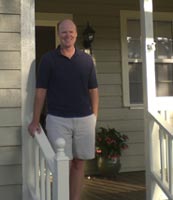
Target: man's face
[(67, 34)]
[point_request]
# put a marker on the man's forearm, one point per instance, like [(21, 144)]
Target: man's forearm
[(94, 96), (38, 104)]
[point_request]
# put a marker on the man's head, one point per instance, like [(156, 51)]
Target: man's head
[(67, 32)]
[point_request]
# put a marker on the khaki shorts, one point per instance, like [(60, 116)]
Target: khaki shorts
[(79, 134)]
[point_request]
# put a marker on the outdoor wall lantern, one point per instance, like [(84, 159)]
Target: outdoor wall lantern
[(88, 37)]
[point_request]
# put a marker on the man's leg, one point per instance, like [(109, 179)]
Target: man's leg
[(76, 178)]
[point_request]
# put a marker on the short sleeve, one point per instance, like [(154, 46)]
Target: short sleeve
[(92, 79)]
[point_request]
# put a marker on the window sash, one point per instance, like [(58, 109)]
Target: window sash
[(130, 56)]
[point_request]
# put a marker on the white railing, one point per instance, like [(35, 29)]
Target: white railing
[(51, 170), (160, 140)]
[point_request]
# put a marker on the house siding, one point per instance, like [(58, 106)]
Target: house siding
[(10, 101)]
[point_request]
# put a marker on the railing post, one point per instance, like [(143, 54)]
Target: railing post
[(61, 173)]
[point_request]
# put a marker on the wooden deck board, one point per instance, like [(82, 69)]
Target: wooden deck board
[(126, 186)]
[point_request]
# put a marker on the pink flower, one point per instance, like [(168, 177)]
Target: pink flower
[(108, 140), (98, 151)]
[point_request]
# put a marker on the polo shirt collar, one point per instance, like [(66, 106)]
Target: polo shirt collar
[(77, 51)]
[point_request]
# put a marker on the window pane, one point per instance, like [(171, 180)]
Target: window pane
[(133, 39), (164, 79), (135, 83), (163, 38)]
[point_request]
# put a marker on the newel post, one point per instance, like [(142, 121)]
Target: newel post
[(61, 173)]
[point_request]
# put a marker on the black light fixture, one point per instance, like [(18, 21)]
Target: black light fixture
[(88, 37)]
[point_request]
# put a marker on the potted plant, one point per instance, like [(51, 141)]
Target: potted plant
[(109, 146)]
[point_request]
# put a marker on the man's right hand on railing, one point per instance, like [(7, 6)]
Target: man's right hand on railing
[(33, 128)]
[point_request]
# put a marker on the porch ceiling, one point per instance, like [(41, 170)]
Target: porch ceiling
[(90, 6)]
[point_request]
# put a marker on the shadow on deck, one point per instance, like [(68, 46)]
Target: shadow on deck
[(126, 186)]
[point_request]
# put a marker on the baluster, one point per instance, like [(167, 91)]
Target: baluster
[(48, 192), (162, 154), (42, 176), (61, 175), (170, 165), (36, 152)]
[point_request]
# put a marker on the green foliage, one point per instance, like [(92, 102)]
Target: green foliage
[(110, 143)]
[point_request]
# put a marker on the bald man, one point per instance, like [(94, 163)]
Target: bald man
[(67, 79)]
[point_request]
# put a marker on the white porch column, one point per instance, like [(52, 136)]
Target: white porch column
[(149, 88), (27, 91), (148, 58)]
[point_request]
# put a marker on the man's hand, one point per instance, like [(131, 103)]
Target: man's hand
[(33, 128)]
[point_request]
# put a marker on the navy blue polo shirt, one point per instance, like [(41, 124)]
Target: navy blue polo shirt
[(67, 82)]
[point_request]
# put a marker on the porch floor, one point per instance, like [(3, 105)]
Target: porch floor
[(126, 186)]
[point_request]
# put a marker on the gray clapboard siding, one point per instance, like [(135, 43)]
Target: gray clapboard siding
[(10, 117), (101, 21), (10, 155), (10, 98), (106, 55), (125, 125), (10, 174), (12, 63), (134, 149), (11, 192), (10, 136), (109, 79), (111, 33), (119, 114), (108, 67), (8, 6), (110, 102), (110, 90), (9, 41), (9, 23), (10, 79), (132, 163), (108, 44), (134, 137)]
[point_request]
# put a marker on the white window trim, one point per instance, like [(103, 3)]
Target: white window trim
[(163, 102)]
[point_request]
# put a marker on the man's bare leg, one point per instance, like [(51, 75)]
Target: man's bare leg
[(76, 178)]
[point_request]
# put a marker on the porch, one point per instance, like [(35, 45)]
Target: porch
[(127, 186)]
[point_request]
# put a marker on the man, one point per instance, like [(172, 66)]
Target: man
[(67, 78)]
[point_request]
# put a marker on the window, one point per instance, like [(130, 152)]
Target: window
[(132, 60)]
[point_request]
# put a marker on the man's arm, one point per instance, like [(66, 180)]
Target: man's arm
[(94, 96), (40, 96)]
